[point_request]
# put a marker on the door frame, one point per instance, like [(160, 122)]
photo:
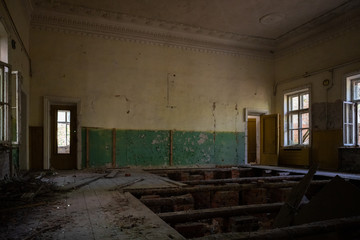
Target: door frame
[(48, 102), (251, 112)]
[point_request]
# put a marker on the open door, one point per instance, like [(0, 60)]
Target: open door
[(269, 139), (63, 137)]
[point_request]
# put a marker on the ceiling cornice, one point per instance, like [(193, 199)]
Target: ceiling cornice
[(69, 18), (107, 24)]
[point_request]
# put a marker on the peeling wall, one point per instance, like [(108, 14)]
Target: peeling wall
[(133, 86), (153, 148)]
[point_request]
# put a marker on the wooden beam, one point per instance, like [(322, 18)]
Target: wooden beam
[(196, 170), (87, 149), (232, 187), (114, 148), (339, 225), (194, 215), (171, 133), (244, 180)]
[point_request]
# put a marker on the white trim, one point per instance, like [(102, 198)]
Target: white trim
[(252, 112), (52, 100)]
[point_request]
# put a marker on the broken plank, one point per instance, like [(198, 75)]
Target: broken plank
[(193, 215), (123, 185), (79, 184), (289, 209), (244, 180), (112, 174)]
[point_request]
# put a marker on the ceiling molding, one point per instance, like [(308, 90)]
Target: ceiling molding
[(107, 24), (74, 19), (323, 33)]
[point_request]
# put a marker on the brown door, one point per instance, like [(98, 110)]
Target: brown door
[(251, 140), (63, 137), (269, 139)]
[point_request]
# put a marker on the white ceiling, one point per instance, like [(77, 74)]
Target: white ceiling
[(233, 16)]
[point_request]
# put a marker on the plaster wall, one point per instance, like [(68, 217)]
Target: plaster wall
[(128, 85), (310, 66)]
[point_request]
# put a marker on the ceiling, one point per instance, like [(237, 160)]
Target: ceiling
[(269, 19)]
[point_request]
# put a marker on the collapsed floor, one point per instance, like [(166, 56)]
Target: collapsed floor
[(203, 203)]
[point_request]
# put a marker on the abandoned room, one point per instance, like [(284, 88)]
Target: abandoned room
[(179, 119)]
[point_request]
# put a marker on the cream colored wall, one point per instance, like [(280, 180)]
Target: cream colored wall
[(326, 100), (125, 84)]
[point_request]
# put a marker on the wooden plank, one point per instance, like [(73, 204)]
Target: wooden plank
[(288, 210), (232, 187), (112, 174), (171, 147), (244, 180), (340, 225), (79, 184), (87, 148), (195, 170), (113, 148), (194, 215)]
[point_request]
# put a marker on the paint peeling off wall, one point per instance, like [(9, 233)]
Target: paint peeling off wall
[(152, 148)]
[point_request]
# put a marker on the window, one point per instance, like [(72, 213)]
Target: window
[(297, 118), (4, 103), (351, 111), (63, 131), (15, 109)]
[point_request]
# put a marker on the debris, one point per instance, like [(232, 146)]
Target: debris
[(288, 210), (127, 174), (336, 199)]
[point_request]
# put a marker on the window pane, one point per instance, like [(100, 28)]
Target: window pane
[(305, 136), (63, 132), (1, 86), (294, 121), (305, 101), (356, 90), (304, 120), (61, 116), (348, 134), (68, 116), (294, 137), (294, 103), (1, 123)]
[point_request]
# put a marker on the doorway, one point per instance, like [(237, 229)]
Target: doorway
[(63, 139), (253, 139)]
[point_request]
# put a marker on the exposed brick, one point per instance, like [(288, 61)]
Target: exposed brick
[(208, 175), (191, 230), (185, 176), (235, 173), (279, 194), (225, 199), (196, 177), (202, 200), (254, 196), (243, 224), (222, 174)]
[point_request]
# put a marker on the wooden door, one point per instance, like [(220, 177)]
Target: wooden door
[(63, 137), (251, 140), (269, 139)]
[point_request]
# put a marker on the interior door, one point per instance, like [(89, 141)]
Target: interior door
[(63, 137), (269, 139), (251, 140)]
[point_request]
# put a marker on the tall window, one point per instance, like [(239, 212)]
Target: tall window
[(15, 107), (297, 118), (351, 111), (4, 103)]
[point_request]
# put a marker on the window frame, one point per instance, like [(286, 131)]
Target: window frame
[(350, 100), (16, 88), (5, 104), (288, 112)]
